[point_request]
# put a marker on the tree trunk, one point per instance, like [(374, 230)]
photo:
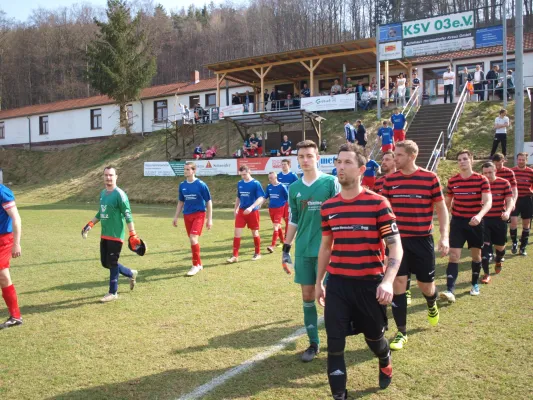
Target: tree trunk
[(124, 122)]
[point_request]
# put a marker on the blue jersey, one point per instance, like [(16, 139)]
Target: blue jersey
[(277, 194), (285, 145), (334, 172), (371, 168), (249, 192), (7, 200), (287, 179), (386, 135), (398, 120), (198, 150), (194, 195), (257, 141)]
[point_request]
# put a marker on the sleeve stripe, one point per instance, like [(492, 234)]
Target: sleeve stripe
[(8, 205)]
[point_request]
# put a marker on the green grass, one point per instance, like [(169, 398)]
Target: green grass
[(172, 334)]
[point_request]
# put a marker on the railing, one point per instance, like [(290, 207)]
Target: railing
[(454, 121), (436, 154)]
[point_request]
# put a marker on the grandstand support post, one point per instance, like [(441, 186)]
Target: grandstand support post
[(378, 66), (387, 82), (220, 78), (303, 128), (227, 138), (519, 79), (311, 68), (504, 66), (261, 75)]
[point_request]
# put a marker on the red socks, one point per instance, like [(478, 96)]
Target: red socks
[(196, 254), (10, 297), (236, 246), (281, 235), (257, 244), (275, 238)]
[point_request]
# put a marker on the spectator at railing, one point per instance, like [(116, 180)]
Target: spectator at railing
[(266, 96), (510, 86), (336, 88), (400, 85), (479, 83), (392, 89), (349, 132), (492, 80), (289, 102), (286, 146), (305, 91), (366, 100), (348, 85), (256, 144), (407, 89), (235, 100), (247, 102), (359, 89), (360, 134), (449, 80), (501, 123), (464, 78), (197, 154), (274, 99), (416, 81), (374, 84), (297, 101)]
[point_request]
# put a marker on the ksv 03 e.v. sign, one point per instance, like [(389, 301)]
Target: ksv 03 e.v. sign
[(436, 25)]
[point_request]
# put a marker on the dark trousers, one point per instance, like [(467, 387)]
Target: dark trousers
[(479, 89), (499, 138), (448, 89)]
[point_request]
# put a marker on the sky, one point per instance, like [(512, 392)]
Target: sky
[(21, 10)]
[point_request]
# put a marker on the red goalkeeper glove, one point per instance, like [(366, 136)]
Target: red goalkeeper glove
[(134, 240), (86, 229)]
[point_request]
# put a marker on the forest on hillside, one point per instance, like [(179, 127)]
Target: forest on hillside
[(43, 59)]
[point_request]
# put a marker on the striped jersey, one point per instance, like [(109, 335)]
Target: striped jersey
[(500, 190), (378, 185), (524, 181), (507, 174), (358, 226), (412, 198), (467, 194)]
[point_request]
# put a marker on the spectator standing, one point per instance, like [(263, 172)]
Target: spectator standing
[(492, 80), (349, 132), (305, 92), (416, 81), (479, 86), (348, 86), (382, 81), (374, 84), (387, 137), (464, 78), (360, 89), (273, 99), (366, 100), (289, 102), (449, 79), (360, 134), (235, 100), (392, 87), (400, 84), (266, 97), (501, 123), (336, 88), (247, 102), (286, 146)]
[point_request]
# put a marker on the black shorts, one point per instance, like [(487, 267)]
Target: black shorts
[(461, 232), (524, 207), (495, 231), (109, 252), (352, 308), (418, 258)]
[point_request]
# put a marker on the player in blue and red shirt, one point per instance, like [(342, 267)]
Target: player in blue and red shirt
[(369, 176), (194, 200), (286, 177), (387, 137), (278, 195), (398, 125), (10, 232), (198, 152), (250, 196)]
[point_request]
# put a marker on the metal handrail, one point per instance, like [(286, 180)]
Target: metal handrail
[(434, 153), (411, 102), (436, 159), (455, 117)]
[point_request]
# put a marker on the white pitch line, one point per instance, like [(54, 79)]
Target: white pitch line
[(245, 366)]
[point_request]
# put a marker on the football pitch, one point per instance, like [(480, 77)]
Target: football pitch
[(173, 334)]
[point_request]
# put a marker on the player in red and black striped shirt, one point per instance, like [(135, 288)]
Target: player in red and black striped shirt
[(495, 221), (413, 193), (354, 225), (524, 203), (469, 192), (387, 167), (505, 173)]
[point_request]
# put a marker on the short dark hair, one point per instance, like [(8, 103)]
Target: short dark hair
[(522, 154), (388, 153), (502, 111), (305, 144), (110, 167), (465, 151), (359, 121), (286, 160), (498, 157), (357, 150), (244, 168), (346, 121), (488, 164)]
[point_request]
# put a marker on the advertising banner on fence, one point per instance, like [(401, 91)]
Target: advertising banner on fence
[(263, 165), (230, 111), (227, 166), (444, 43), (390, 32), (438, 25), (488, 37), (164, 168), (324, 103), (390, 51)]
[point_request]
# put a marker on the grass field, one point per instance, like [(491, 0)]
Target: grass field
[(172, 333)]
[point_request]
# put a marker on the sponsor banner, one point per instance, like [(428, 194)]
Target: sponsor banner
[(164, 168), (324, 103), (390, 32), (436, 44), (488, 37), (230, 111), (390, 51), (227, 166), (528, 148), (263, 165), (438, 25)]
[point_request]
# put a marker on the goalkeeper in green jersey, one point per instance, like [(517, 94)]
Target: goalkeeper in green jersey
[(306, 197), (114, 209)]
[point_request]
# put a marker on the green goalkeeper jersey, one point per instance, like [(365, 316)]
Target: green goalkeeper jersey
[(305, 202), (114, 209)]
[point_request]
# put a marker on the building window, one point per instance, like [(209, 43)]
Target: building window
[(210, 99), (194, 101), (129, 113), (160, 111), (43, 125), (2, 130), (96, 118), (510, 65), (460, 76)]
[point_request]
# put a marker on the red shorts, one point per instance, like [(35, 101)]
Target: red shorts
[(277, 214), (6, 245), (194, 223), (387, 147), (251, 220), (369, 181), (196, 156), (399, 135), (286, 212)]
